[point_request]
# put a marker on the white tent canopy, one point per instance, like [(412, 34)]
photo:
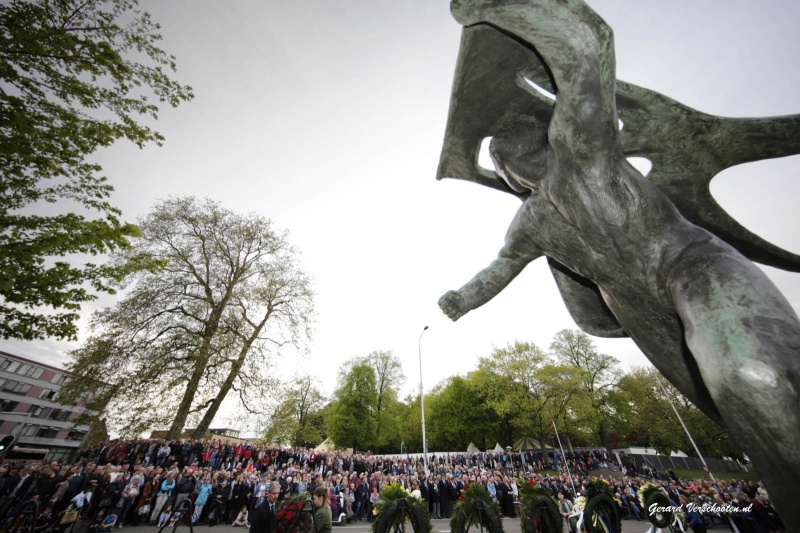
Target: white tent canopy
[(472, 448), (498, 448)]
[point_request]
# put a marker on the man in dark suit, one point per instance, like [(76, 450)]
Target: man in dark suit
[(673, 493), (261, 517)]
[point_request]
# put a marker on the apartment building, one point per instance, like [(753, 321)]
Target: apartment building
[(28, 410)]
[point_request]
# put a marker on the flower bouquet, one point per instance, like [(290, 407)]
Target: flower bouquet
[(294, 514)]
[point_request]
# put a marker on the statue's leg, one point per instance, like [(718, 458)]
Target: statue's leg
[(745, 338)]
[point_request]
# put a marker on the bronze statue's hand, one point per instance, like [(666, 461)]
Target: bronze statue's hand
[(453, 305)]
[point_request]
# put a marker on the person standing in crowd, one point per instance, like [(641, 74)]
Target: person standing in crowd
[(565, 508), (362, 495), (203, 494), (184, 487), (323, 520), (163, 495), (262, 516)]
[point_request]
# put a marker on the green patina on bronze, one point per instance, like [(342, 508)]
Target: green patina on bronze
[(655, 258)]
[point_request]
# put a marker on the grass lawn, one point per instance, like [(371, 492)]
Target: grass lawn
[(751, 475)]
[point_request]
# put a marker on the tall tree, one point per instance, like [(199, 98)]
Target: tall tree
[(515, 380), (230, 289), (599, 374), (459, 414), (75, 76), (293, 421), (352, 418), (389, 378), (643, 416)]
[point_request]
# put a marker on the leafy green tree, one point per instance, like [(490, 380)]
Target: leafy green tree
[(389, 378), (599, 373), (206, 324), (75, 76), (458, 414), (643, 416), (410, 422), (294, 421), (352, 419), (526, 390)]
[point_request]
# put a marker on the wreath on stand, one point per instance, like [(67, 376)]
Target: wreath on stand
[(539, 511), (598, 512), (477, 508), (295, 514), (650, 494), (396, 507)]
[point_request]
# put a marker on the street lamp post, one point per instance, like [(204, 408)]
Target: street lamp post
[(422, 403)]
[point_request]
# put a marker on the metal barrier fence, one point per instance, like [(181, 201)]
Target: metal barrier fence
[(662, 463)]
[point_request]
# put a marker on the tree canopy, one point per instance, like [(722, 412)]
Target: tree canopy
[(297, 420), (75, 76), (516, 391), (352, 420), (229, 296)]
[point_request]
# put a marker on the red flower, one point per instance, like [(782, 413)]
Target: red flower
[(290, 515)]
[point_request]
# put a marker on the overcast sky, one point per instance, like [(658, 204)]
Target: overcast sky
[(328, 117)]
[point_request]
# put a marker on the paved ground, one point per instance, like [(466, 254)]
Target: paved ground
[(439, 526)]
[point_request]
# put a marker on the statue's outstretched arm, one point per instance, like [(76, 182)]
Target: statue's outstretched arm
[(518, 251)]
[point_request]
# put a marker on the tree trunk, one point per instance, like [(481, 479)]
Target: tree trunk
[(186, 402), (236, 366), (211, 412), (601, 432)]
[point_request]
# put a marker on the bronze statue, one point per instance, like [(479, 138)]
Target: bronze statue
[(652, 258)]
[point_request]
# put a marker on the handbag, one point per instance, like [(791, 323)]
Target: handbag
[(143, 510), (70, 517)]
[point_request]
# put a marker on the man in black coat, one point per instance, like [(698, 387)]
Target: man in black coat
[(261, 517)]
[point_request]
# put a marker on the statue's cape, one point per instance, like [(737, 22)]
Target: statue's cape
[(493, 90)]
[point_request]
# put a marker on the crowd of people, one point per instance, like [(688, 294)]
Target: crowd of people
[(147, 481)]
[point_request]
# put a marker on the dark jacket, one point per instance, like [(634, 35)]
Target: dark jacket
[(261, 519)]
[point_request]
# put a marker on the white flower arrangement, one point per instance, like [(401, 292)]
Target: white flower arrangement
[(579, 504), (641, 494)]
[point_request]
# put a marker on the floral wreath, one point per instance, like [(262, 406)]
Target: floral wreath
[(465, 514), (645, 494), (538, 508), (597, 486), (599, 493), (387, 510), (290, 517)]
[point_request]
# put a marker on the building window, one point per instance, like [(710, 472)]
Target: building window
[(37, 411), (76, 435), (9, 366), (47, 394), (59, 378), (47, 432), (15, 387), (28, 430), (30, 371), (7, 406), (59, 414), (59, 453)]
